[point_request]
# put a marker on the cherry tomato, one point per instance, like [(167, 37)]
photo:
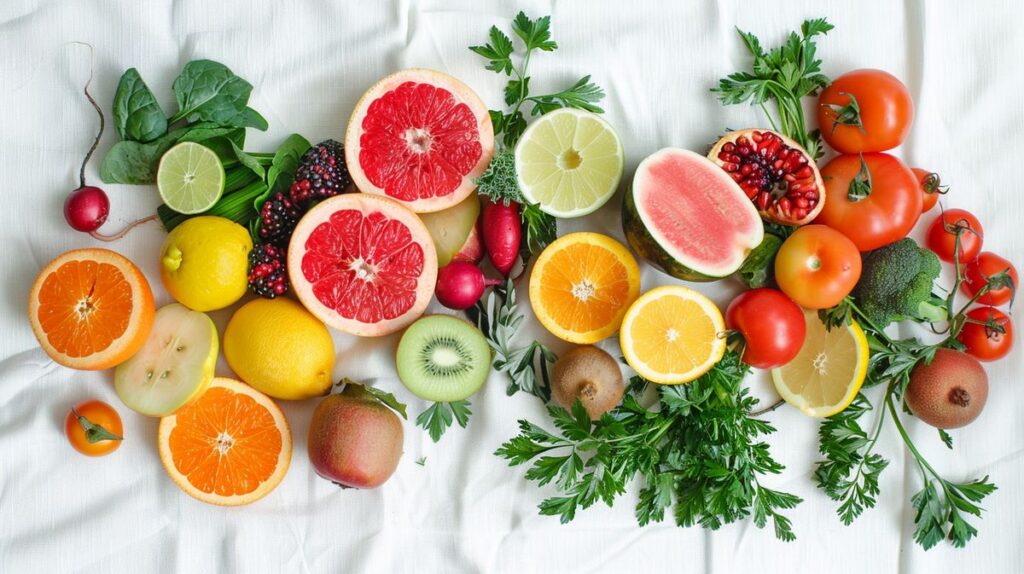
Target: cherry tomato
[(817, 266), (887, 207), (943, 231), (772, 326), (886, 112), (981, 334), (931, 187), (977, 272), (93, 428)]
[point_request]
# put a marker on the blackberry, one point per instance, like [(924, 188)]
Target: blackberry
[(268, 274), (278, 218), (321, 173)]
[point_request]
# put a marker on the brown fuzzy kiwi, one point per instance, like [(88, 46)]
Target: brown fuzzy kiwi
[(950, 392), (590, 375)]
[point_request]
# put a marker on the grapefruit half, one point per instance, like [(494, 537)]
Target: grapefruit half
[(363, 264), (420, 137)]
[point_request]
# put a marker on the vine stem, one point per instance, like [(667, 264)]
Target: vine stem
[(768, 409)]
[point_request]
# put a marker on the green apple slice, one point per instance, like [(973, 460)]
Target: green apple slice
[(450, 228)]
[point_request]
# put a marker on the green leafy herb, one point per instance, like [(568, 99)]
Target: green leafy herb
[(137, 113), (94, 433), (422, 461), (699, 454), (438, 417), (208, 91), (539, 230), (499, 182), (849, 475), (784, 74)]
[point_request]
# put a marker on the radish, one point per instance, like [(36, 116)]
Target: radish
[(460, 285), (502, 234)]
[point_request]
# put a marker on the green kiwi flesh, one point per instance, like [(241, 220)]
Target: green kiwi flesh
[(443, 358)]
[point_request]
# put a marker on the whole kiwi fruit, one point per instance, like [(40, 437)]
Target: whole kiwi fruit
[(590, 375)]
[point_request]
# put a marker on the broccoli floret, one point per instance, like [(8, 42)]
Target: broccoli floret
[(896, 284)]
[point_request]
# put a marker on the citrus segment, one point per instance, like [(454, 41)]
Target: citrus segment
[(190, 178), (232, 446), (91, 309), (672, 334), (581, 286), (825, 377)]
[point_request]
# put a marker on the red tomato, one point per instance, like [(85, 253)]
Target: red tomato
[(931, 187), (93, 428), (943, 231), (981, 334), (977, 272), (772, 326), (817, 267), (888, 211), (883, 121)]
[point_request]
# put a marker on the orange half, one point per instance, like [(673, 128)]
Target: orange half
[(582, 285), (230, 447), (91, 309)]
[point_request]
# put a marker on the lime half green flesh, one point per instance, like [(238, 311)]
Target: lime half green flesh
[(190, 178), (569, 162)]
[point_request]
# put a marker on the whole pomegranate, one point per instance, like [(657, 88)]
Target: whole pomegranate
[(950, 392)]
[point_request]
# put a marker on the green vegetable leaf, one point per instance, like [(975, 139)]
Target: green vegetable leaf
[(439, 416), (388, 399), (535, 34), (539, 230), (281, 172), (946, 439), (499, 182), (498, 52), (209, 91), (584, 95), (134, 162), (94, 433), (137, 113)]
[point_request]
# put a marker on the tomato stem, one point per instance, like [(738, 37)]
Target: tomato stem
[(94, 433)]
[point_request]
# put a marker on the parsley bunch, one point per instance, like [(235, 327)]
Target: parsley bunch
[(698, 455)]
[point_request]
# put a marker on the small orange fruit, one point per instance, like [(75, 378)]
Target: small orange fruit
[(91, 309), (230, 447), (582, 285)]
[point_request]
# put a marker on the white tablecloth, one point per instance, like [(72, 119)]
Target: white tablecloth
[(465, 510)]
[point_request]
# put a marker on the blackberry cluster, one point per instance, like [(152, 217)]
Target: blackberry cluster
[(268, 274), (321, 173), (278, 218)]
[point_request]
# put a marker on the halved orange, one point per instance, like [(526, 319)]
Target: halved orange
[(91, 309), (230, 447), (582, 285), (672, 335)]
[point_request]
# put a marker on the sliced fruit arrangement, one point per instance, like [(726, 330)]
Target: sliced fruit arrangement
[(688, 217), (90, 309), (829, 370), (420, 137), (204, 262), (672, 334), (230, 447), (174, 367), (582, 285), (363, 264), (569, 162)]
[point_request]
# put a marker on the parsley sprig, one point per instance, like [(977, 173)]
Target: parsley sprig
[(439, 417), (698, 455)]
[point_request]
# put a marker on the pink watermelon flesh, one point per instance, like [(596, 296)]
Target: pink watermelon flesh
[(365, 268), (696, 212), (418, 142)]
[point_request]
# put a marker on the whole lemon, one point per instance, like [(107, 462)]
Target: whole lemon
[(204, 262), (280, 348)]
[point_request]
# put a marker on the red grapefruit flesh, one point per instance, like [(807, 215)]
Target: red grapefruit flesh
[(420, 137), (363, 264)]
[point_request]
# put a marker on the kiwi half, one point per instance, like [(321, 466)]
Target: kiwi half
[(443, 358)]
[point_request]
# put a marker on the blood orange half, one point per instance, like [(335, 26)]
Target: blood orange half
[(363, 264), (420, 137)]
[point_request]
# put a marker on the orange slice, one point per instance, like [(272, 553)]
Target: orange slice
[(672, 335), (230, 447), (582, 285), (91, 309)]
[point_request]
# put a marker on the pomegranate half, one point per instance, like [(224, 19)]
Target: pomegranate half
[(362, 264), (775, 172), (420, 137)]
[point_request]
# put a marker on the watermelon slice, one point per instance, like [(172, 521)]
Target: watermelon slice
[(362, 264), (688, 217), (420, 137)]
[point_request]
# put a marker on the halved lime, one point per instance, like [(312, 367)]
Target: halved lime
[(190, 178), (569, 162)]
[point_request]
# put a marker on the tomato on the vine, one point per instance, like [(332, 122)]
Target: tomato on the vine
[(865, 111), (943, 231), (931, 187), (977, 273), (987, 334), (817, 267), (772, 325), (93, 428), (873, 198)]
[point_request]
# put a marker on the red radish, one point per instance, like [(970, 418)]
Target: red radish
[(502, 234), (460, 285)]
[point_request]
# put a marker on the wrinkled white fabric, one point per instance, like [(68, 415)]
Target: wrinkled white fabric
[(465, 510)]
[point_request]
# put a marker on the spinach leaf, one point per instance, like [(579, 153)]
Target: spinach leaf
[(209, 91), (135, 162), (286, 160), (248, 161), (137, 114)]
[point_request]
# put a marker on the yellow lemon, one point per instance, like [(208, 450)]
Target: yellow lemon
[(204, 262), (280, 348)]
